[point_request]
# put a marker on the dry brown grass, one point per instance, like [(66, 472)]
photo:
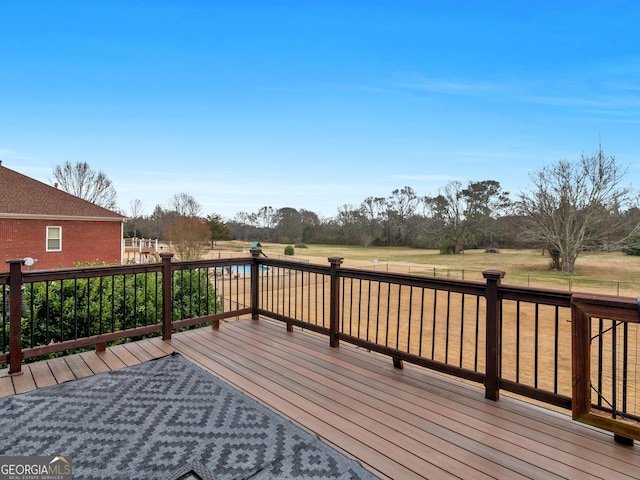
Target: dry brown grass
[(603, 272)]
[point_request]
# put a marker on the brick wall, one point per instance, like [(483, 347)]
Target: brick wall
[(82, 242)]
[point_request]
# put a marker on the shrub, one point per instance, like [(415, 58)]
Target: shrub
[(633, 245), (491, 250), (447, 247), (288, 250), (632, 249), (74, 308)]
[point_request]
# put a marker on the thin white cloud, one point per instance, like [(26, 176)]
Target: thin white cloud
[(27, 164), (624, 86), (7, 153), (408, 83), (601, 102), (511, 155), (427, 178), (4, 152), (420, 82)]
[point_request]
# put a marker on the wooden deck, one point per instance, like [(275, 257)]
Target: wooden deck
[(72, 367), (401, 424)]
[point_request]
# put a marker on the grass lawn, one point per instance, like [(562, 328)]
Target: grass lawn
[(611, 273)]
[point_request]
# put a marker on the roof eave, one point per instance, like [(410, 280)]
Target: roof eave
[(35, 216)]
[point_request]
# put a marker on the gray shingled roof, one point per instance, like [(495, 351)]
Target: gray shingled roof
[(22, 195)]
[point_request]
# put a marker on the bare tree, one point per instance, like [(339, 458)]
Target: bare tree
[(84, 182), (373, 208), (447, 211), (265, 218), (185, 205), (354, 225), (136, 208), (188, 235), (403, 203), (570, 205), (401, 207), (135, 218)]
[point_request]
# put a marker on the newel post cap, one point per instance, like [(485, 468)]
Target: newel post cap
[(493, 274)]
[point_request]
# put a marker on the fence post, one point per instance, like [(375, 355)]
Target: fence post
[(493, 334), (334, 301), (15, 315), (255, 285), (167, 295)]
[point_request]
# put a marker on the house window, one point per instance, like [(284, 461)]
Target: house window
[(54, 239)]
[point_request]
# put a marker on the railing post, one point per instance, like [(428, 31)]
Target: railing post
[(334, 301), (15, 315), (167, 295), (493, 337), (255, 282), (580, 362)]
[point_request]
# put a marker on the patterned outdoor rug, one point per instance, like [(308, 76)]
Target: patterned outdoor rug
[(164, 419)]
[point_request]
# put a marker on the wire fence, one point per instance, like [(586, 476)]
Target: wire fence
[(567, 283)]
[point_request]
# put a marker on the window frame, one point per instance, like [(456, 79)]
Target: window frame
[(49, 238)]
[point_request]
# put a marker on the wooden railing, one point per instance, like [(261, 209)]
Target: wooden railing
[(621, 314), (49, 311), (453, 326), (141, 244), (503, 337)]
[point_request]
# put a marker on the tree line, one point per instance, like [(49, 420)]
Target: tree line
[(459, 216), (569, 207)]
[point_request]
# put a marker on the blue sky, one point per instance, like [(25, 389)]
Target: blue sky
[(315, 104)]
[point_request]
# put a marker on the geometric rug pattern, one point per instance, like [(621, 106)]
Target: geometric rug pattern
[(165, 419)]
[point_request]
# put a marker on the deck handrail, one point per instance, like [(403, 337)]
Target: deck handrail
[(584, 309), (498, 299), (13, 283), (466, 320)]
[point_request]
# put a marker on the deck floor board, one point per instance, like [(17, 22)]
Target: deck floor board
[(124, 353), (61, 370), (78, 366), (409, 423), (94, 362), (379, 423), (430, 413), (308, 414), (25, 382), (473, 414), (42, 374), (391, 406)]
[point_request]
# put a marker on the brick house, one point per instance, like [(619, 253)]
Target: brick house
[(54, 228)]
